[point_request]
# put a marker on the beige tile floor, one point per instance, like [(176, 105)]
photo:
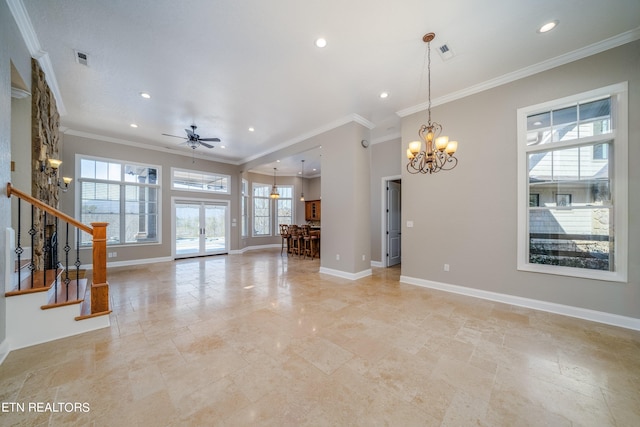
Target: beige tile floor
[(259, 339)]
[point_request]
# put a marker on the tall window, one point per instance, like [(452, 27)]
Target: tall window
[(264, 218), (284, 205), (244, 208), (261, 210), (572, 185), (124, 194)]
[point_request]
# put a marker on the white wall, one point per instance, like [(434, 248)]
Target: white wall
[(12, 49)]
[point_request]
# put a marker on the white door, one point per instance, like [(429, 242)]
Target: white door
[(393, 223), (200, 228)]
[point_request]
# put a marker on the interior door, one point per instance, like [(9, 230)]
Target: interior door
[(393, 223), (200, 228)]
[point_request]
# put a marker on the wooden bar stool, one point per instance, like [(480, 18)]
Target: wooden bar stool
[(284, 233), (295, 240)]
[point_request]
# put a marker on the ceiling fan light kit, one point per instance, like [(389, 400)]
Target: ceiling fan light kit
[(193, 140)]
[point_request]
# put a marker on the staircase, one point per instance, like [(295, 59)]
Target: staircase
[(54, 301)]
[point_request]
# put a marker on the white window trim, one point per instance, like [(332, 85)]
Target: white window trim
[(77, 195), (253, 211), (620, 194), (244, 214)]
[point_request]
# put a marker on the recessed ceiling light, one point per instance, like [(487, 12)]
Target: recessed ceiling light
[(321, 42), (133, 125), (314, 169), (251, 129), (277, 161), (548, 26), (223, 146), (384, 95), (145, 95)]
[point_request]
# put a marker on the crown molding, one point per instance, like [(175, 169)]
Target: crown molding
[(89, 135), (30, 38), (601, 46), (315, 132), (18, 93)]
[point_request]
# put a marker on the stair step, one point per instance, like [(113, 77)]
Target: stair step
[(24, 263), (85, 311), (38, 283), (75, 294)]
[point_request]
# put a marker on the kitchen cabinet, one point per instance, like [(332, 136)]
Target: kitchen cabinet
[(312, 210)]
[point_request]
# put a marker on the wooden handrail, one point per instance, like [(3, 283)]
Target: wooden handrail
[(47, 208)]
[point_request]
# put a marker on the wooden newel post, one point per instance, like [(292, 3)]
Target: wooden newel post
[(100, 286)]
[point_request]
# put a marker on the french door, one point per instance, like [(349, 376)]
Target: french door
[(200, 228)]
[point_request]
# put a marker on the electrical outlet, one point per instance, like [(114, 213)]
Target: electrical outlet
[(364, 258), (446, 267), (337, 257)]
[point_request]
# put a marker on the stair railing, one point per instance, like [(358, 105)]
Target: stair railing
[(98, 231)]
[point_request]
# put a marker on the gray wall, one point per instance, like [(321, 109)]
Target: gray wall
[(386, 162), (467, 217), (346, 201), (80, 145)]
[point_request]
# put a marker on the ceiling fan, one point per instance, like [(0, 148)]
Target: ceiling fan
[(193, 140)]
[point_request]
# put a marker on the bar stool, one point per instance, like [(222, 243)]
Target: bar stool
[(314, 244), (304, 240), (295, 238), (284, 233)]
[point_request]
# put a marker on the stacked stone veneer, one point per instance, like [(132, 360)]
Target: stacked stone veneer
[(45, 138)]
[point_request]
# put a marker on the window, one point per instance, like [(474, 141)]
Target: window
[(189, 180), (285, 205), (261, 210), (124, 194), (244, 208), (572, 185)]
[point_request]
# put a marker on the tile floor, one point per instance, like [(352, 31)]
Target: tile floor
[(258, 339)]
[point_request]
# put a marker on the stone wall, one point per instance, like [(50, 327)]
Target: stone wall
[(45, 137)]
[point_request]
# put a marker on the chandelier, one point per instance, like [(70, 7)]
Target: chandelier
[(437, 153), (274, 190)]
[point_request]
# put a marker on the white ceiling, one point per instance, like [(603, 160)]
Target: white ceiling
[(230, 65)]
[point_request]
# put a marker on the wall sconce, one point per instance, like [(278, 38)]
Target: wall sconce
[(50, 167), (64, 185)]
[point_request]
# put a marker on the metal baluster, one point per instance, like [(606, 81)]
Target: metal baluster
[(32, 232), (77, 263), (45, 249), (67, 248), (54, 256), (19, 249)]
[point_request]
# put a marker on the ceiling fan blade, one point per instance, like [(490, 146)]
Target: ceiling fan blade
[(175, 136), (205, 144), (189, 132), (210, 139)]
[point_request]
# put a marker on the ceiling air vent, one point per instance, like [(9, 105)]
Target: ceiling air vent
[(82, 58), (445, 52)]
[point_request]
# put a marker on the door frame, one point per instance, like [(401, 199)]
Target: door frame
[(384, 217), (227, 219)]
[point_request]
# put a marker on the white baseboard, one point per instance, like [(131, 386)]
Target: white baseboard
[(344, 274), (4, 350), (255, 248), (377, 264), (130, 262), (566, 310)]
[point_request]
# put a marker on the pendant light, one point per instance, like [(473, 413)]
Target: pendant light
[(274, 190), (302, 182)]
